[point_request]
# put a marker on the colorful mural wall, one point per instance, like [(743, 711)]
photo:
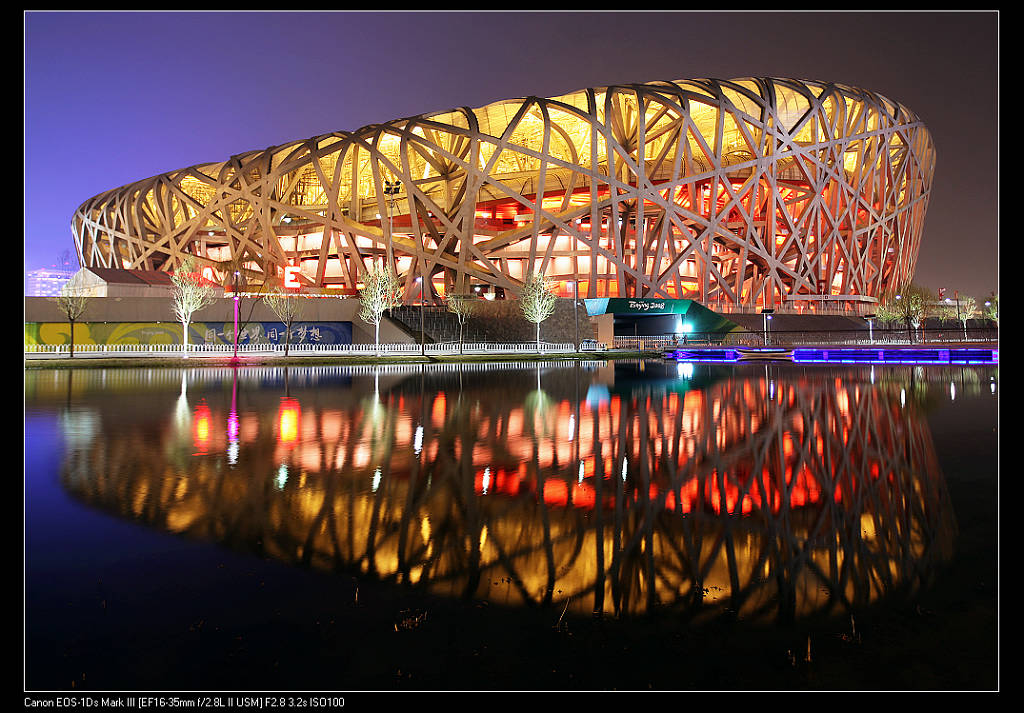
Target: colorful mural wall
[(199, 333)]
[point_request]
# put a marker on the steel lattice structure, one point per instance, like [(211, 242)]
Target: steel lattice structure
[(743, 192)]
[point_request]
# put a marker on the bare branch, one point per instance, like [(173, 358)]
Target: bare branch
[(72, 301), (463, 307), (381, 292), (287, 307), (191, 292), (537, 301)]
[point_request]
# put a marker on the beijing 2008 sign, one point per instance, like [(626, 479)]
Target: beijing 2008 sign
[(627, 305)]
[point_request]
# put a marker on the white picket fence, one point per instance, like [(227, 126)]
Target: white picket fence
[(201, 350)]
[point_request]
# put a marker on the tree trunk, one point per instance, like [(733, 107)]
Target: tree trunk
[(184, 339), (287, 337), (460, 338), (71, 338), (538, 337), (376, 336)]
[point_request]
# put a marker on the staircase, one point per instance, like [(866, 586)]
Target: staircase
[(439, 325)]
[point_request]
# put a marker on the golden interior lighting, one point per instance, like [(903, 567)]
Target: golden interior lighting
[(740, 191)]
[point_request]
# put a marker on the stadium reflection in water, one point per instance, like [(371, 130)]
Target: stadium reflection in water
[(760, 492)]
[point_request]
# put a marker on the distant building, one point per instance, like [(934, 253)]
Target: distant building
[(111, 282), (46, 281)]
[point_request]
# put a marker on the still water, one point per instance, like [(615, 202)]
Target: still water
[(767, 496)]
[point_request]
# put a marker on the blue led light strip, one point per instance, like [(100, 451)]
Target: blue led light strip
[(851, 356)]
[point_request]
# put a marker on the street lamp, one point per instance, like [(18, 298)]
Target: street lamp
[(419, 294), (575, 308), (391, 189), (236, 281), (948, 301), (767, 313)]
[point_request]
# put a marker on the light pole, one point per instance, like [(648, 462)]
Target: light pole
[(767, 313), (964, 322), (391, 189), (575, 308), (419, 295), (235, 283)]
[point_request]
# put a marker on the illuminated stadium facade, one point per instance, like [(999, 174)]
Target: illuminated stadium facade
[(735, 193)]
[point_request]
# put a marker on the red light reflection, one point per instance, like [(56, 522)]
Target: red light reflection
[(288, 421), (201, 428), (565, 472)]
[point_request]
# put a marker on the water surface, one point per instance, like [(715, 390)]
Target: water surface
[(768, 499)]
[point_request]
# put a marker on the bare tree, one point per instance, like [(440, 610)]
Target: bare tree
[(965, 310), (991, 308), (287, 307), (946, 310), (191, 292), (72, 301), (380, 293), (910, 306), (537, 301), (463, 307)]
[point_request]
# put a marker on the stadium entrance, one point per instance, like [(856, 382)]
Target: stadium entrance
[(648, 317)]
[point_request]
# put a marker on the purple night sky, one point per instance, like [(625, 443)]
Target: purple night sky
[(114, 97)]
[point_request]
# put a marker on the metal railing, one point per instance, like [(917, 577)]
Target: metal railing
[(791, 338), (408, 349), (631, 343), (831, 308), (642, 343)]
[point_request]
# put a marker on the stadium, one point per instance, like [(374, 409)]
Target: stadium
[(738, 194)]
